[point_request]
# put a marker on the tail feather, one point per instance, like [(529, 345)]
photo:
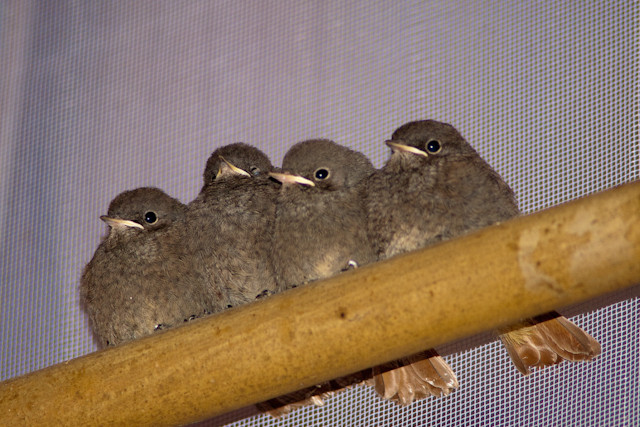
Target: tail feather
[(414, 378), (547, 340), (317, 395), (568, 340)]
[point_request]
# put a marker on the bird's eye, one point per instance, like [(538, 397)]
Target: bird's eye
[(150, 217), (433, 146), (254, 170), (321, 173)]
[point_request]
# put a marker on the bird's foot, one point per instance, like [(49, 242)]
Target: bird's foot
[(351, 265), (264, 294)]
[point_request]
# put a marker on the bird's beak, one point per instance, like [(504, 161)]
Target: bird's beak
[(286, 178), (406, 148), (228, 168), (120, 224)]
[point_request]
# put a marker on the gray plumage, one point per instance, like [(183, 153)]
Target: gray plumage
[(319, 232), (434, 187), (416, 200), (319, 228), (140, 278), (232, 221), (245, 157)]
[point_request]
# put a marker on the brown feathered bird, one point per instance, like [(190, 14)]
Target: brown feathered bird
[(318, 233), (434, 187), (319, 217), (232, 220), (141, 278)]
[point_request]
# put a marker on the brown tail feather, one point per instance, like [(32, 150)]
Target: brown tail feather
[(414, 378), (568, 340), (283, 405), (547, 340)]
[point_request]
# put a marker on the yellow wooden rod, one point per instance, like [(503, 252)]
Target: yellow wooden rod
[(358, 319)]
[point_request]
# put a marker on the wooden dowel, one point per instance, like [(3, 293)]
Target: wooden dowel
[(358, 319)]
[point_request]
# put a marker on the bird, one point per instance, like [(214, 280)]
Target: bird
[(232, 221), (319, 232), (237, 159), (319, 229), (434, 187), (236, 213), (140, 278)]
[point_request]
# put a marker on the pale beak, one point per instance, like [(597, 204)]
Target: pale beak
[(286, 178), (406, 148), (229, 168), (120, 224)]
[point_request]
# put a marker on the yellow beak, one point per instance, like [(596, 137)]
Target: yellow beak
[(120, 223), (406, 148), (229, 168), (287, 178)]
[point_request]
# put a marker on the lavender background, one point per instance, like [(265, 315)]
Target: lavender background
[(101, 97)]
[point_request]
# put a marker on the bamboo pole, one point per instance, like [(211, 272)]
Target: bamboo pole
[(377, 313)]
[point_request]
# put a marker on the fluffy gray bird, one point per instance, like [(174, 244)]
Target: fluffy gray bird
[(140, 278), (319, 218), (318, 233), (232, 221), (434, 187)]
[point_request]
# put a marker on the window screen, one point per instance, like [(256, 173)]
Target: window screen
[(101, 97)]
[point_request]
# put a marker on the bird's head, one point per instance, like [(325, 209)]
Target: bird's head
[(236, 160), (426, 143), (142, 209), (325, 165)]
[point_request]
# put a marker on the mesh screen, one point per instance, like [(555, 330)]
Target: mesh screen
[(98, 98)]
